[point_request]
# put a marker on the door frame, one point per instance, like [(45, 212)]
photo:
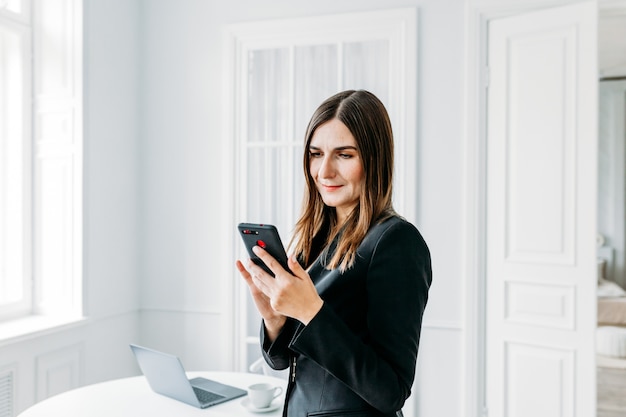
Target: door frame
[(478, 16)]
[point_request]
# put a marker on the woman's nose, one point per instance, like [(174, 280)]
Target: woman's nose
[(326, 168)]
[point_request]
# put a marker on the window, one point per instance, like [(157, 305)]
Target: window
[(282, 70), (15, 167), (40, 157)]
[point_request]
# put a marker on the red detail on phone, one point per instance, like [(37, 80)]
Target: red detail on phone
[(261, 243)]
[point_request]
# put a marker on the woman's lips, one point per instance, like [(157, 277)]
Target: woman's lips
[(331, 187)]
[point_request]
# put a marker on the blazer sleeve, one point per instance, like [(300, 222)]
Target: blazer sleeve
[(277, 353), (381, 367)]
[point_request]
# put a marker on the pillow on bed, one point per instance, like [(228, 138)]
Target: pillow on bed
[(608, 288)]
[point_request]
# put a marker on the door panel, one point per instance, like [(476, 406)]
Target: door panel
[(541, 197)]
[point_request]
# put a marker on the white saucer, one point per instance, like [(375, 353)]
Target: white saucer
[(275, 405)]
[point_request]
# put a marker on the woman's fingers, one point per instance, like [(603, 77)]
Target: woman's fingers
[(261, 300), (268, 260), (296, 268), (242, 270), (289, 293)]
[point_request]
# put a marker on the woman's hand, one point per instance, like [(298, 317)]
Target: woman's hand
[(274, 321), (288, 295)]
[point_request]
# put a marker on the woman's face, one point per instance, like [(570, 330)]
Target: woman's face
[(336, 167)]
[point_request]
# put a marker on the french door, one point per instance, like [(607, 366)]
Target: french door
[(280, 72)]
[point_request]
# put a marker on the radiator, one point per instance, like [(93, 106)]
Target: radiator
[(7, 392)]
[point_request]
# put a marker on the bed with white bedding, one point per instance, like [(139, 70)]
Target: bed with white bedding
[(611, 348)]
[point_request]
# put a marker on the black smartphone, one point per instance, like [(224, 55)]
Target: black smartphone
[(265, 236)]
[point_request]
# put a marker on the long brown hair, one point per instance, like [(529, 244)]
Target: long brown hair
[(367, 119)]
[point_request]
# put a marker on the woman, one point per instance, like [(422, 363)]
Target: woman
[(347, 319)]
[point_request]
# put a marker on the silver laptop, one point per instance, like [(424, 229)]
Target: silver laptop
[(166, 376)]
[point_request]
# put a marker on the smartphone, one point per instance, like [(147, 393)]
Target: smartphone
[(265, 236)]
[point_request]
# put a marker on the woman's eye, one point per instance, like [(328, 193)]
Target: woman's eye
[(315, 154), (345, 155)]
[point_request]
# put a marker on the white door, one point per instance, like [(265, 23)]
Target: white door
[(541, 213)]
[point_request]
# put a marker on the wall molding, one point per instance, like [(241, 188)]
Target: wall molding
[(59, 370), (448, 325), (210, 312)]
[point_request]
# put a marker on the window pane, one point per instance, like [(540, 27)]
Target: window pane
[(11, 166), (315, 79), (54, 224), (366, 66), (57, 164), (269, 119), (258, 194), (268, 95), (269, 181)]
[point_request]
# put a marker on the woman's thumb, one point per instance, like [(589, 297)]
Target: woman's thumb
[(294, 265)]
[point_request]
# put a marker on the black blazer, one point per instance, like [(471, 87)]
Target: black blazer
[(357, 356)]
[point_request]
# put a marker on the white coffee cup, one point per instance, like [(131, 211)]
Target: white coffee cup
[(261, 395)]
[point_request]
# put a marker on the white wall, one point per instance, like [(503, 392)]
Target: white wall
[(112, 193), (181, 170)]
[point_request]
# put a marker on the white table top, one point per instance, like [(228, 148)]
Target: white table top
[(133, 397)]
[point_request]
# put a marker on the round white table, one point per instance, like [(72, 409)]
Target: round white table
[(133, 397)]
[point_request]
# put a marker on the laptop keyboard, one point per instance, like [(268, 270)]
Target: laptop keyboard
[(206, 396)]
